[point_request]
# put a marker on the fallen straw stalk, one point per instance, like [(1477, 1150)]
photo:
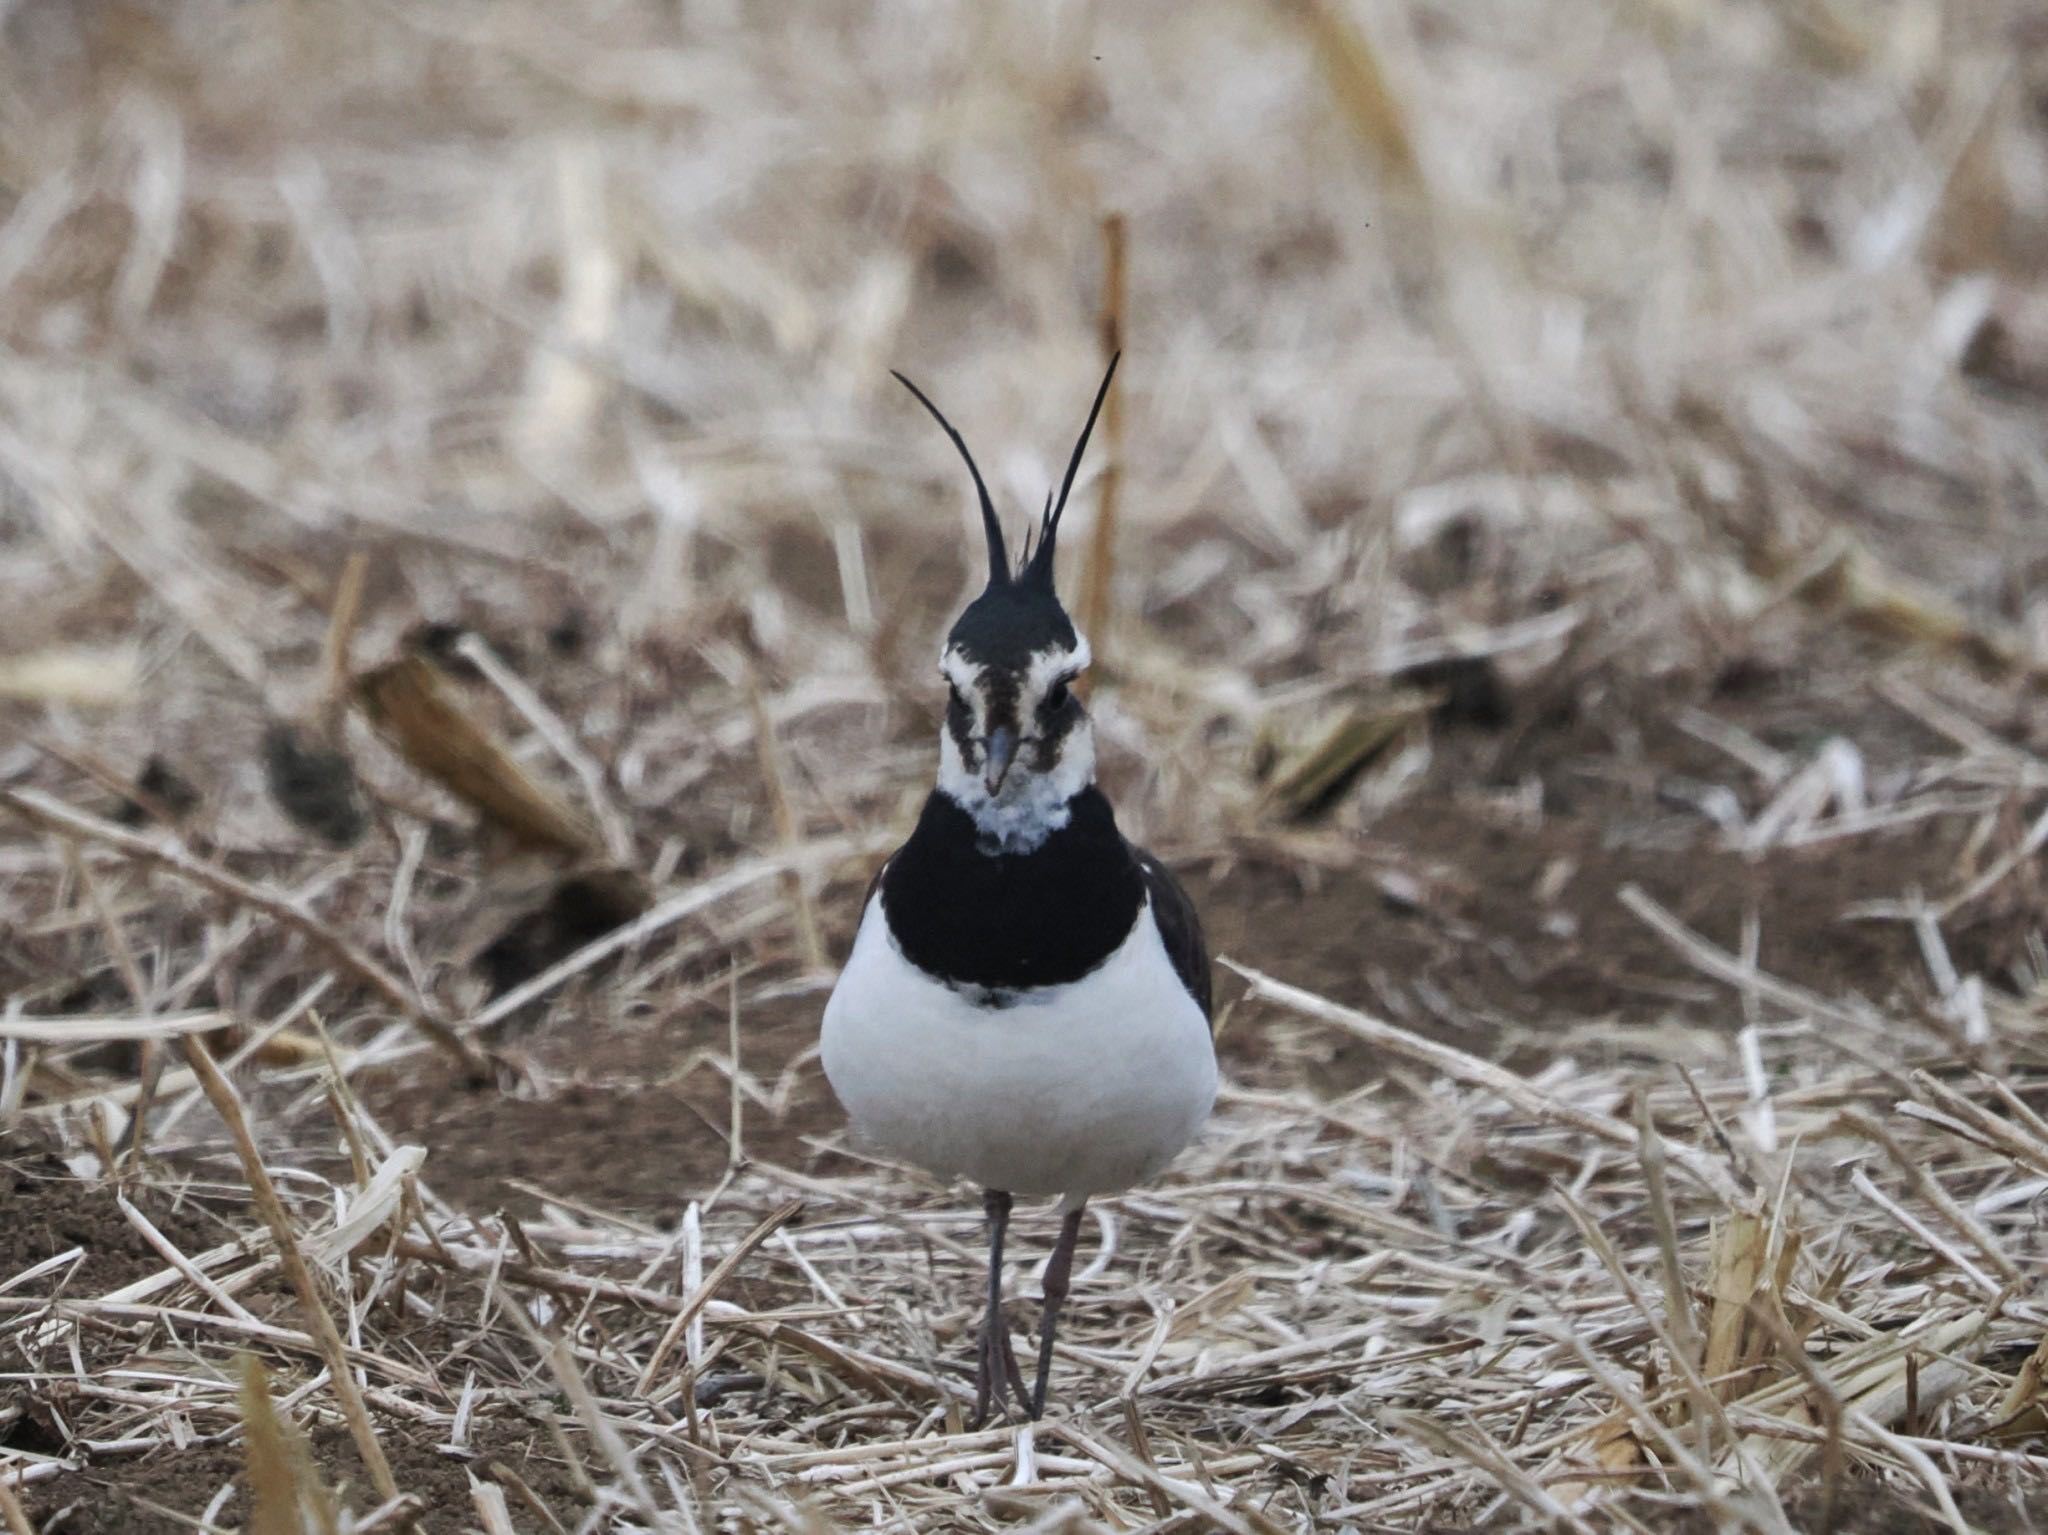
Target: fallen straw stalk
[(12, 1514), (208, 1321), (611, 825), (777, 1218), (87, 1030), (788, 837), (164, 853), (1487, 1077), (1184, 1494), (411, 704), (561, 1362), (683, 904), (282, 1481), (1929, 1188), (1731, 971), (228, 1104)]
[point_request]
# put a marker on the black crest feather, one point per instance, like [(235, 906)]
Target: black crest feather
[(1038, 571), (1036, 568), (998, 557)]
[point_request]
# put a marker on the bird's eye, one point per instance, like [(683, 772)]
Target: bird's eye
[(1056, 695)]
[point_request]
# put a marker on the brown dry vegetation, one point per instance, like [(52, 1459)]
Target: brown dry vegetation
[(1581, 484)]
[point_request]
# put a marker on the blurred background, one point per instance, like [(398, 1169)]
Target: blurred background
[(1428, 309)]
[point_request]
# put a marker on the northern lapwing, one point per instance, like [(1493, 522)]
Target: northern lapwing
[(1027, 1002)]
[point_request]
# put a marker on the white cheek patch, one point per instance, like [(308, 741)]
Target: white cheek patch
[(1046, 665), (961, 672), (965, 676), (1055, 662), (1049, 666)]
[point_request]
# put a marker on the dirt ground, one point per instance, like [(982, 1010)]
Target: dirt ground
[(1447, 915), (1481, 908), (1456, 913)]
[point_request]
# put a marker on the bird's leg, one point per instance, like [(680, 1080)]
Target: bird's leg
[(1059, 1268), (995, 1373)]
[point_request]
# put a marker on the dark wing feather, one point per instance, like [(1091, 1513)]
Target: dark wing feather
[(1180, 926), (868, 899)]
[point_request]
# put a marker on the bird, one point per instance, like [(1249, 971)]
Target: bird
[(1027, 1001)]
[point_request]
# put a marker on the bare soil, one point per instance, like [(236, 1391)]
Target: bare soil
[(148, 1494), (46, 1215)]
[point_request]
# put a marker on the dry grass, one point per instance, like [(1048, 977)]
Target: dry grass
[(1599, 350)]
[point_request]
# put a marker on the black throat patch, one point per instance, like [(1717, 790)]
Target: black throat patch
[(1008, 922)]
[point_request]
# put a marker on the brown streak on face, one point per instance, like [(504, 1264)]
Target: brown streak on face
[(993, 695), (1052, 734), (1003, 691)]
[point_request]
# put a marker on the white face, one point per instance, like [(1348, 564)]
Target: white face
[(1017, 745)]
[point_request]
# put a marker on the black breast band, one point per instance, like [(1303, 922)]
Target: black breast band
[(1012, 921)]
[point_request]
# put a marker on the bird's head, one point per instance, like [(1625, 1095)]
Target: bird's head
[(1017, 746)]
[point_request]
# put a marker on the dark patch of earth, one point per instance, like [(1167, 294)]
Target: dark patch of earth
[(614, 1128), (145, 1495), (1462, 916), (48, 1210)]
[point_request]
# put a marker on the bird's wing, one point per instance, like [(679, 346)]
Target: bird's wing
[(1180, 926), (874, 889)]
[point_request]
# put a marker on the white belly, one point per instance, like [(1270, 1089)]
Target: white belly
[(1079, 1089)]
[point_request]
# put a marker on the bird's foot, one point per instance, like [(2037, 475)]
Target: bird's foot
[(997, 1379)]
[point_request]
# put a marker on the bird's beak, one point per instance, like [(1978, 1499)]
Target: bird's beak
[(998, 750)]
